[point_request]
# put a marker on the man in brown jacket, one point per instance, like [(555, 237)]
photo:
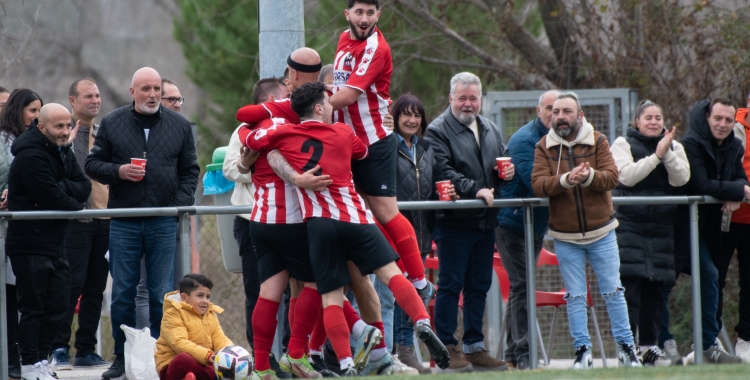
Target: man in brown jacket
[(573, 166)]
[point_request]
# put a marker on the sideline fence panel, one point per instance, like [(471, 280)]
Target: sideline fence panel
[(229, 291)]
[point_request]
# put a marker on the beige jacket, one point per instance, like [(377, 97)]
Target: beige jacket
[(243, 188)]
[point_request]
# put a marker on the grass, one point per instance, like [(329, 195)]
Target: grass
[(703, 372)]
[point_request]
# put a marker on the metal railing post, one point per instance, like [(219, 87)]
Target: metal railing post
[(184, 244), (531, 336), (695, 273), (3, 311)]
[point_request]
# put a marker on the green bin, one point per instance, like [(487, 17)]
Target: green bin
[(222, 193)]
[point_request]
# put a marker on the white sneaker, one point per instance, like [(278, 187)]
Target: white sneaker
[(583, 358), (48, 368), (38, 371), (742, 349), (690, 358), (403, 369), (670, 350)]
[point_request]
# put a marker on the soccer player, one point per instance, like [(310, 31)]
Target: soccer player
[(361, 79), (340, 228)]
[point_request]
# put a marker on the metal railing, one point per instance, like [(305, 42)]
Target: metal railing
[(527, 203)]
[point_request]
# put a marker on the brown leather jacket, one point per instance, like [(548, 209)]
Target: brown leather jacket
[(584, 212)]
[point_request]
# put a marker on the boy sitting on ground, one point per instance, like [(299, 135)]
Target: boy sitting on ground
[(190, 332)]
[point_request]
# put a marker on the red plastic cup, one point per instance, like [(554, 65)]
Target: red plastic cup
[(442, 189), (139, 162), (502, 165)]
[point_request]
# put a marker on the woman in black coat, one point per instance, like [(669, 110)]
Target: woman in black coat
[(415, 183), (650, 163)]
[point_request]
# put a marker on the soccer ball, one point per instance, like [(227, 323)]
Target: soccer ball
[(233, 363)]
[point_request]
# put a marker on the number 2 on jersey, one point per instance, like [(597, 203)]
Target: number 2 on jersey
[(317, 152)]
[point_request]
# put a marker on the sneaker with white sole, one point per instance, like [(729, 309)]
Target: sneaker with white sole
[(654, 356), (716, 355), (37, 371), (60, 360), (382, 367), (583, 358), (403, 369), (742, 349), (627, 355), (669, 348), (50, 369)]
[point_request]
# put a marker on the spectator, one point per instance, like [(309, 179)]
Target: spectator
[(170, 95), (18, 112), (43, 176), (86, 243), (415, 179), (649, 163), (237, 163), (4, 95), (715, 158), (171, 99), (737, 238), (169, 179), (465, 147), (509, 235), (582, 222)]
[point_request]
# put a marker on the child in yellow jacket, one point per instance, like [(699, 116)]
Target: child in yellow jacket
[(190, 332)]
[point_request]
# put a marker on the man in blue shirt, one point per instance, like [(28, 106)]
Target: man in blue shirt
[(510, 233)]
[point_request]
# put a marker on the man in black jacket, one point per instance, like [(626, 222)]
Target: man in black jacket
[(142, 129), (715, 158), (466, 146), (43, 176)]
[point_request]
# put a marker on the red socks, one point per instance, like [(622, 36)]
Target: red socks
[(308, 308), (407, 297), (351, 315), (402, 233), (338, 333), (292, 305), (399, 263), (379, 326), (264, 328), (318, 336)]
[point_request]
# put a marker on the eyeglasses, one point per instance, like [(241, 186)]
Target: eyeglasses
[(171, 100)]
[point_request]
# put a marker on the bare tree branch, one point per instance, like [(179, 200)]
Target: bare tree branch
[(509, 70)]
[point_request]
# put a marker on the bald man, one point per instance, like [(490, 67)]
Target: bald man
[(43, 176), (144, 129)]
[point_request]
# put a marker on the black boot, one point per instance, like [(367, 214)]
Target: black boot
[(14, 362)]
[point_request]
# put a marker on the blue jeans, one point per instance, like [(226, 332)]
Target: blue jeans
[(465, 264), (129, 241), (664, 334), (403, 326), (709, 295), (605, 259)]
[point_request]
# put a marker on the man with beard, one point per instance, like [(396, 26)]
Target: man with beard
[(143, 129), (574, 168), (43, 176), (465, 147), (361, 79), (86, 243)]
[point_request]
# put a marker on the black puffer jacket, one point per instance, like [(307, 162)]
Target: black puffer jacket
[(171, 167), (714, 170), (42, 177), (415, 184), (645, 236), (458, 158)]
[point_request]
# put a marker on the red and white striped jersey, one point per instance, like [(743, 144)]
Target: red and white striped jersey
[(332, 146), (366, 66), (274, 200), (255, 113)]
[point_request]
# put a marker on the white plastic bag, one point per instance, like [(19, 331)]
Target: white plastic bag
[(139, 354)]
